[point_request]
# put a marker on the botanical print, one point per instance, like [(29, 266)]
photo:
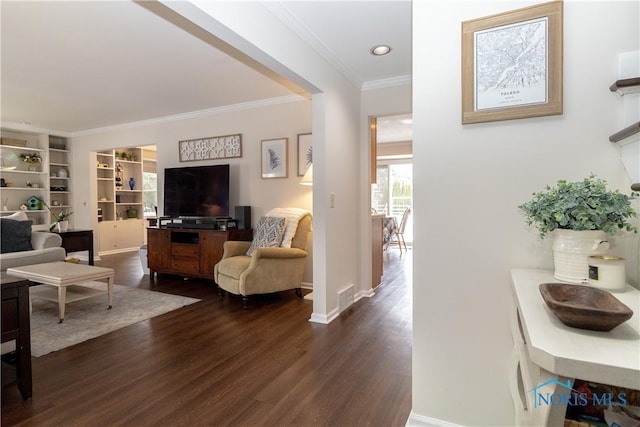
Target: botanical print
[(305, 152), (274, 158), (309, 156)]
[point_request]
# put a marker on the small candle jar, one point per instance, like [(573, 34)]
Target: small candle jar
[(607, 273)]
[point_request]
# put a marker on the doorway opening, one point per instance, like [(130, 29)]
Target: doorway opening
[(392, 192)]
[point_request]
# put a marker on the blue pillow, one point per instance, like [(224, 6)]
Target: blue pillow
[(15, 236)]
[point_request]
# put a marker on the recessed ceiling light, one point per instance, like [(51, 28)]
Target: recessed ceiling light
[(380, 50)]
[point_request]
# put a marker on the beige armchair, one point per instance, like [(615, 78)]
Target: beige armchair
[(267, 270)]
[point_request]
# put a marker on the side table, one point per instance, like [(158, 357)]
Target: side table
[(16, 325), (77, 240)]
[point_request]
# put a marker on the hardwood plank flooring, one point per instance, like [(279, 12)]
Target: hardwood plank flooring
[(215, 364)]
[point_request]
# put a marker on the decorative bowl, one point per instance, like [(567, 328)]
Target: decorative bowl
[(584, 307)]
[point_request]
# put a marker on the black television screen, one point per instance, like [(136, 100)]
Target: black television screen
[(199, 191)]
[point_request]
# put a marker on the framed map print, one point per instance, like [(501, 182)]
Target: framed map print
[(512, 65)]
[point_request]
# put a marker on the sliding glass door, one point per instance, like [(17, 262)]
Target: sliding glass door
[(393, 192)]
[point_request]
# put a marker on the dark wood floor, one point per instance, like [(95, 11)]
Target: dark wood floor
[(214, 364)]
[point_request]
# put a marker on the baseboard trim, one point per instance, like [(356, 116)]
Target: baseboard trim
[(417, 420), (365, 294), (118, 251), (325, 319)]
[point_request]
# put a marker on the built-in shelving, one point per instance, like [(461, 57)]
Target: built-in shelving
[(118, 230), (22, 179)]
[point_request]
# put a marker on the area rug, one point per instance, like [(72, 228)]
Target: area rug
[(90, 318)]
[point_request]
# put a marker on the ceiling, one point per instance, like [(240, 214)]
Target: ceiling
[(81, 65)]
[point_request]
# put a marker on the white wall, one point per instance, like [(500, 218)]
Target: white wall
[(468, 182), (246, 187)]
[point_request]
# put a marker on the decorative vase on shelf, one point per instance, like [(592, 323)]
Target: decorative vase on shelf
[(571, 251), (63, 226), (132, 183)]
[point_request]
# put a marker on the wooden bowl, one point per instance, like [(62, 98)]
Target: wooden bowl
[(584, 307)]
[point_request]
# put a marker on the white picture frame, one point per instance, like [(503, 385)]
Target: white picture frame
[(274, 158)]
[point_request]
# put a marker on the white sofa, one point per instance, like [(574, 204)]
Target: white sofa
[(47, 247)]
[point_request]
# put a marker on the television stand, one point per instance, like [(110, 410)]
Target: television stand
[(219, 223), (203, 226), (188, 252)]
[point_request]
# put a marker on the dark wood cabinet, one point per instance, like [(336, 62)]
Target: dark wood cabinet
[(188, 252), (212, 248), (160, 240), (16, 326)]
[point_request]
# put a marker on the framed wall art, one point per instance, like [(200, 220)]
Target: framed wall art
[(305, 152), (512, 64), (274, 158), (215, 147)]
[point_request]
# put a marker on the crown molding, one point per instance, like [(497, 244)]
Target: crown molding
[(28, 129), (194, 114), (390, 82), (280, 11)]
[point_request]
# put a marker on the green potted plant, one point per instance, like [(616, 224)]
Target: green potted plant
[(581, 214), (61, 219)]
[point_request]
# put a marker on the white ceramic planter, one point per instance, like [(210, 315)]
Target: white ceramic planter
[(63, 226), (571, 251)]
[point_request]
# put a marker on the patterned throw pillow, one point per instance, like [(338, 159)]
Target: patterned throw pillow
[(293, 216), (269, 233)]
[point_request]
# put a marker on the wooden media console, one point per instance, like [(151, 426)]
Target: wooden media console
[(188, 252)]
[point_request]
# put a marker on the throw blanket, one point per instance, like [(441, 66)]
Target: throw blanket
[(292, 217)]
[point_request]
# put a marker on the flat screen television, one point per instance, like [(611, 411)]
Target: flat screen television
[(197, 191)]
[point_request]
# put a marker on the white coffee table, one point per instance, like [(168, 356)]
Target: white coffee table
[(67, 277)]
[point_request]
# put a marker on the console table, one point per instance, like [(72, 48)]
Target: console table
[(547, 353), (188, 252), (16, 326)]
